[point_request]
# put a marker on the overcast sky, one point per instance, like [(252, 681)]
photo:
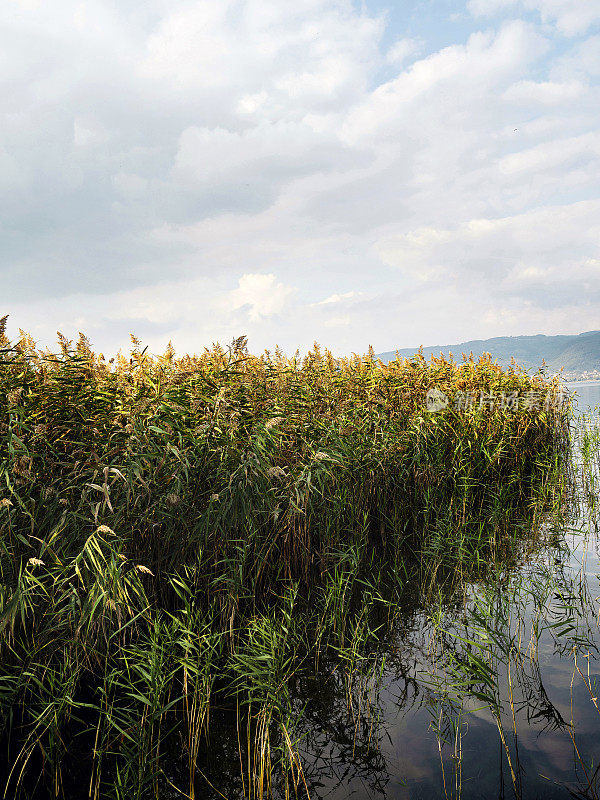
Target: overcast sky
[(392, 174)]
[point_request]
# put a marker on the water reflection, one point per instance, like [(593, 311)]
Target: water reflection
[(436, 739), (491, 703), (482, 702), (478, 685)]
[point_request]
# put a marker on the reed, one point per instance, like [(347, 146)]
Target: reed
[(490, 656), (179, 535)]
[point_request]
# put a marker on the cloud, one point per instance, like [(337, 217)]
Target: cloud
[(200, 169), (261, 294), (221, 170), (579, 63), (580, 153), (571, 18), (447, 81), (546, 93), (334, 322), (337, 298), (546, 256), (404, 49), (319, 49)]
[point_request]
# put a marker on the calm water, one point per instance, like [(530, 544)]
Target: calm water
[(412, 727), (402, 759), (586, 394)]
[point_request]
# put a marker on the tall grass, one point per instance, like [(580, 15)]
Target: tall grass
[(184, 534), (493, 655)]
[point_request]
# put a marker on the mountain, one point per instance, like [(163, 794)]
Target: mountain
[(576, 354)]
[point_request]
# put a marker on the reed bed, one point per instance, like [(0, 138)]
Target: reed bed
[(179, 535)]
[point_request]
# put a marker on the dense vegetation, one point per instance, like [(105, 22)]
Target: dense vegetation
[(180, 533)]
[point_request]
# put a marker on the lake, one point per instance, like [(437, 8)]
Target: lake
[(587, 394), (497, 700), (401, 757)]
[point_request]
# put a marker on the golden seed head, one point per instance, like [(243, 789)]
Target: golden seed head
[(321, 456), (14, 395), (105, 529), (142, 568), (271, 423)]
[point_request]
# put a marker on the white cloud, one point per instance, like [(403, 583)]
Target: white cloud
[(251, 103), (545, 158), (404, 49), (572, 17), (580, 63), (548, 93), (337, 298), (88, 133), (449, 81), (335, 322), (274, 151), (176, 168), (262, 294), (320, 49), (546, 254)]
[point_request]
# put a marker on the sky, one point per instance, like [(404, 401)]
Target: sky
[(385, 174)]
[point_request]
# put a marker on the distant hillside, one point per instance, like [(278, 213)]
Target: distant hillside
[(576, 354)]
